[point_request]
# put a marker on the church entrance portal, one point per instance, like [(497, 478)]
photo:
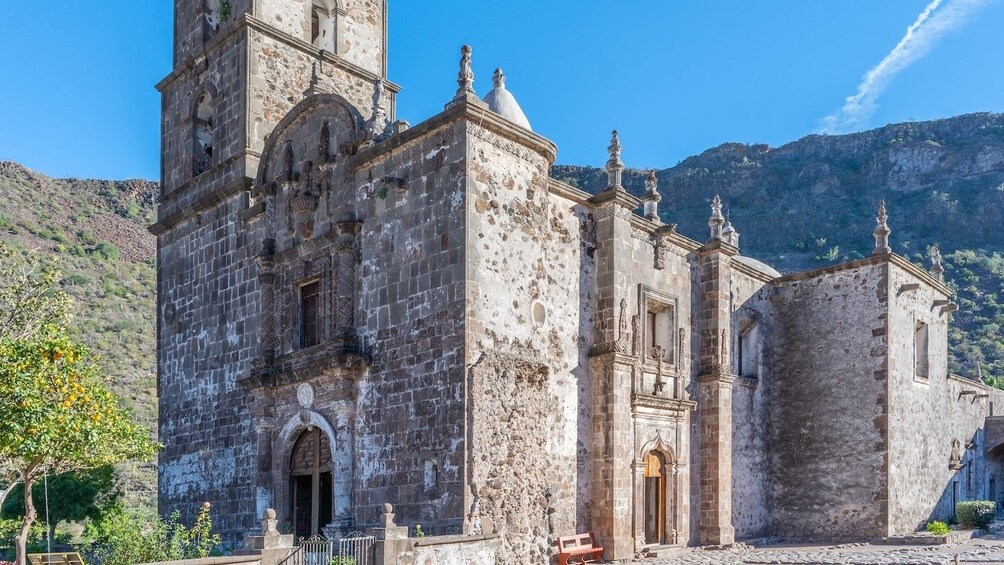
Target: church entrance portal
[(310, 484), (655, 498)]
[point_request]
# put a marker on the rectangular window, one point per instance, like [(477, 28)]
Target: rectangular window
[(920, 344), (310, 314), (660, 329), (749, 352)]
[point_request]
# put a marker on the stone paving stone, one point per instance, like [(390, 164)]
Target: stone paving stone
[(973, 551)]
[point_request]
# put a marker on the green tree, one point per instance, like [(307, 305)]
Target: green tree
[(57, 412), (73, 497)]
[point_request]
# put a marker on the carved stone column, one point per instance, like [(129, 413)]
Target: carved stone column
[(345, 260), (266, 279)]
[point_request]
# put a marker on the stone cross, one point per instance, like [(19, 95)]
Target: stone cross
[(882, 232)]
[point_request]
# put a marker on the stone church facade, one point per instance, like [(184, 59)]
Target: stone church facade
[(354, 311)]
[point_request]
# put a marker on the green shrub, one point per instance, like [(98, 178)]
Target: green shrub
[(343, 561), (107, 250), (976, 513), (938, 528), (122, 538)]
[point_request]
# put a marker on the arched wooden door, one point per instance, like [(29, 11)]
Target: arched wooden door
[(655, 497), (310, 491)]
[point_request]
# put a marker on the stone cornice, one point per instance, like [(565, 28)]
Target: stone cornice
[(461, 110), (719, 246), (568, 191), (617, 196), (751, 272), (247, 21), (207, 201), (879, 259), (660, 403), (717, 377)]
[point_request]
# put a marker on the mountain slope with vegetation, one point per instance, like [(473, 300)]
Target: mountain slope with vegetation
[(97, 232), (812, 202)]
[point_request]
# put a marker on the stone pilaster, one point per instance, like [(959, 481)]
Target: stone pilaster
[(613, 432), (715, 378)]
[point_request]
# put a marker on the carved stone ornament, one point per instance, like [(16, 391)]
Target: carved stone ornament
[(659, 355), (955, 462), (305, 395), (623, 335)]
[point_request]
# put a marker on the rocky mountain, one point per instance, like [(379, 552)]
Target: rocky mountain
[(97, 229), (806, 204), (812, 202)]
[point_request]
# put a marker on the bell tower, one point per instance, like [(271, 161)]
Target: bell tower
[(240, 66)]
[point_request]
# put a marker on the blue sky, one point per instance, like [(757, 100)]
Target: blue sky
[(676, 77)]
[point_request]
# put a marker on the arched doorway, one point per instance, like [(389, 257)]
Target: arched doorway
[(995, 477), (310, 483), (656, 497)]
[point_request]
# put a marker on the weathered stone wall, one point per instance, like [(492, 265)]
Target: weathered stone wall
[(830, 403), (208, 326), (281, 72), (412, 323), (222, 73), (927, 415), (524, 269), (752, 473), (360, 35)]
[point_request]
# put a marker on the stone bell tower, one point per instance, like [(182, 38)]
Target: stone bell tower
[(240, 66)]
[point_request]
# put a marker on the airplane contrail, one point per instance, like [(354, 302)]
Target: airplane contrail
[(937, 18)]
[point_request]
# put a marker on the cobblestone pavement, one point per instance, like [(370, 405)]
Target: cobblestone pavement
[(974, 551)]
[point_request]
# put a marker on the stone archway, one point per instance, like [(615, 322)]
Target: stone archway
[(310, 483), (657, 495), (995, 477), (658, 475), (306, 471)]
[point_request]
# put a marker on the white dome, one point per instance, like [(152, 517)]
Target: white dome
[(503, 103)]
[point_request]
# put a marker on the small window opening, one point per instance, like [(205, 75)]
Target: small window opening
[(211, 19), (430, 476), (749, 352), (920, 343), (322, 25), (204, 125), (969, 476), (310, 310), (659, 327)]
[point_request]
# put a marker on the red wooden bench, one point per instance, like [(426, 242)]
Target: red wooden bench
[(581, 547)]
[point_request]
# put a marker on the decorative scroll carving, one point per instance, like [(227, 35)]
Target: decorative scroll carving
[(659, 355), (623, 336)]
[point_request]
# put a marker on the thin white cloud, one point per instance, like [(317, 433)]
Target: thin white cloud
[(937, 18)]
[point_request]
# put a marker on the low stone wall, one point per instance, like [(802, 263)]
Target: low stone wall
[(448, 550), (235, 560)]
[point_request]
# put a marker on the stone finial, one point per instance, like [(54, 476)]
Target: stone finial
[(937, 269), (882, 232), (498, 79), (387, 516), (651, 198), (378, 123), (615, 167), (717, 220), (269, 523), (465, 78), (729, 233)]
